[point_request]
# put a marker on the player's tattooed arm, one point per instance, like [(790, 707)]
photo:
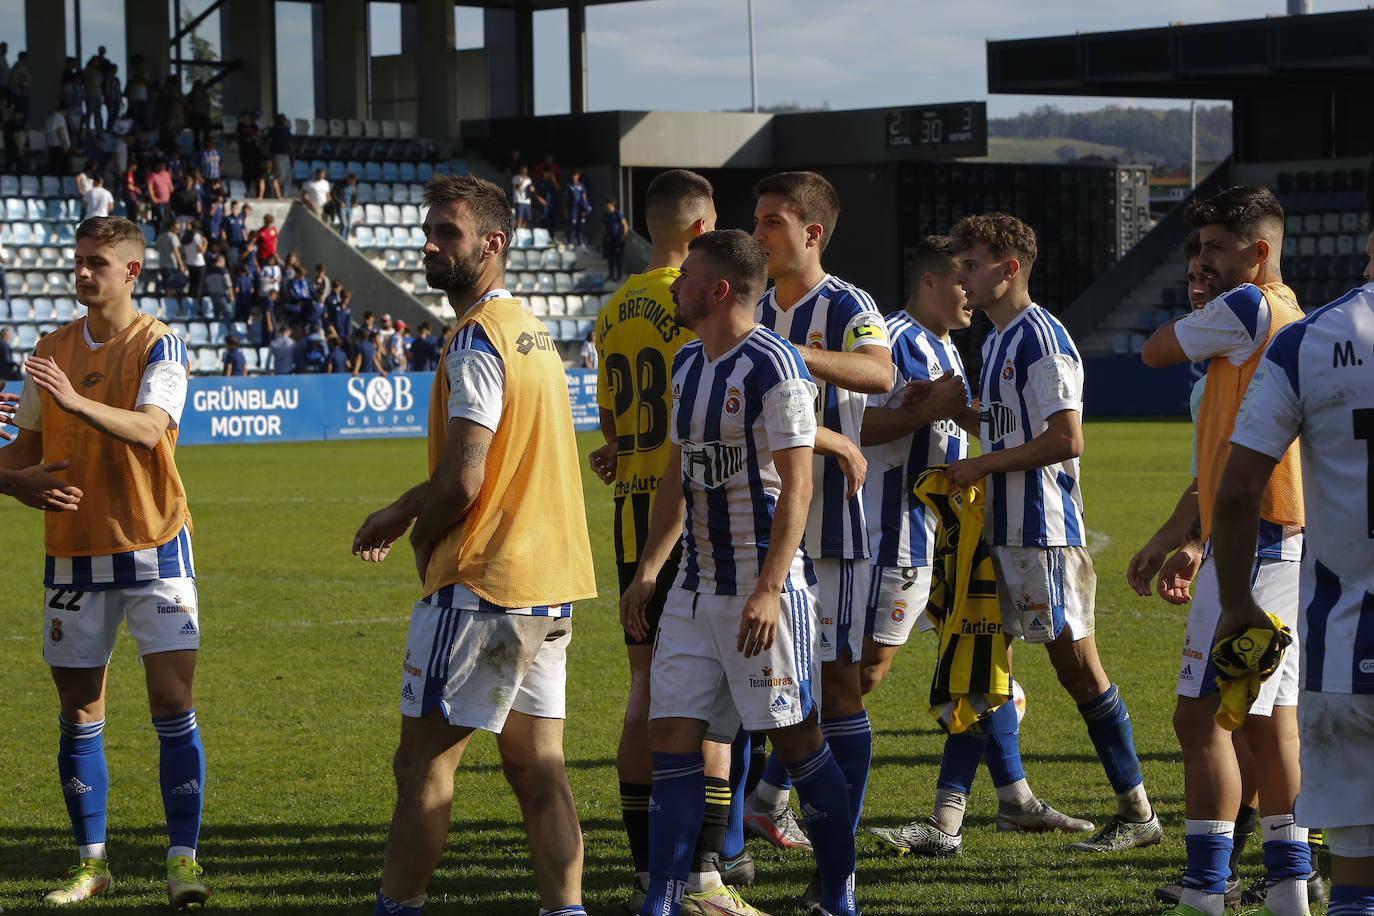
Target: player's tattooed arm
[(453, 487)]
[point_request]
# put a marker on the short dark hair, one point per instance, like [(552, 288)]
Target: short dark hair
[(814, 198), (1002, 233), (934, 254), (741, 258), (1192, 245), (488, 203), (675, 197), (115, 231), (1249, 211)]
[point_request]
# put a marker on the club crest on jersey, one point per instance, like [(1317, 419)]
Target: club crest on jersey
[(56, 633), (816, 341), (1007, 372), (1000, 421), (898, 611), (711, 464), (733, 401)]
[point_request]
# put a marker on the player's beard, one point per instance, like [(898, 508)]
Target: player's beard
[(461, 274)]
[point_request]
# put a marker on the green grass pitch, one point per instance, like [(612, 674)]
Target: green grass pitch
[(297, 694)]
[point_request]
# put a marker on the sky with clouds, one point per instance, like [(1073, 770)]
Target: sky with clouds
[(694, 54)]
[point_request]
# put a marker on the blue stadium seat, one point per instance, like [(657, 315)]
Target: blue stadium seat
[(372, 171), (22, 233), (28, 185), (301, 170), (374, 214), (64, 309), (9, 185), (382, 234), (390, 172), (381, 192), (337, 170), (65, 234), (459, 169), (407, 171), (362, 237), (69, 186), (51, 186), (15, 209), (37, 209), (43, 309), (365, 192), (391, 214), (237, 189), (25, 336), (424, 171), (20, 308), (353, 167), (57, 210)]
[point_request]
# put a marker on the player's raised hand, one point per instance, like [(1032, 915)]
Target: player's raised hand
[(632, 604), (603, 462), (758, 624), (1140, 572), (373, 539), (38, 488), (1177, 575), (48, 376)]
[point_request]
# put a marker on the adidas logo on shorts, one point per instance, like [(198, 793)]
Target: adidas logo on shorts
[(75, 786), (188, 630), (780, 702), (191, 787), (407, 693)]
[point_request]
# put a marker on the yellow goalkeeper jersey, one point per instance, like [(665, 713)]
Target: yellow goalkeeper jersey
[(637, 339)]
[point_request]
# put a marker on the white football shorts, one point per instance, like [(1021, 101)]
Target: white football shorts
[(1275, 585), (1337, 744), (897, 597), (842, 603), (80, 627), (1045, 590), (698, 673), (476, 666)]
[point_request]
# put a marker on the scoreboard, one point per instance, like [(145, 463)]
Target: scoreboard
[(952, 130)]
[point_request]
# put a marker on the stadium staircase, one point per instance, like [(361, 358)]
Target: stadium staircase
[(1323, 253)]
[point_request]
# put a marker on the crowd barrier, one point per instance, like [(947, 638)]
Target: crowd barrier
[(1123, 386), (311, 408)]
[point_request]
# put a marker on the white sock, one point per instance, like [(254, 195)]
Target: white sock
[(1133, 805), (91, 851), (949, 810), (187, 851), (769, 796), (1016, 794), (699, 881), (417, 901)]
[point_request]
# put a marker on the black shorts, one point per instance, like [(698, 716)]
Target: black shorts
[(666, 576)]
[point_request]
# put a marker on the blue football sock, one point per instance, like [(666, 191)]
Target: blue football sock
[(388, 907), (573, 910), (1209, 860), (733, 844), (182, 774), (1003, 752), (775, 772), (1286, 853), (675, 811), (85, 778), (960, 758), (1350, 900), (825, 808), (1109, 728), (851, 742)]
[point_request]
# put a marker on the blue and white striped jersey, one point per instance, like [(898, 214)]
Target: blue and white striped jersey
[(1031, 371), (729, 416), (836, 316), (900, 530), (1315, 383)]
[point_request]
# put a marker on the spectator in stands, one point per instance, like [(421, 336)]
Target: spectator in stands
[(424, 349), (5, 73), (399, 347), (71, 93), (214, 218), (369, 321), (268, 186), (386, 335), (171, 266), (614, 232), (267, 238), (250, 150), (280, 351), (138, 91), (338, 356), (17, 142), (9, 369), (234, 363), (365, 356), (279, 145), (338, 316), (185, 200), (193, 247), (59, 139), (320, 285), (136, 198), (97, 201), (4, 282), (522, 189), (297, 295), (111, 94), (92, 79), (579, 208), (546, 189), (514, 163), (21, 82), (198, 102), (348, 199), (267, 318), (217, 288), (589, 350), (244, 285), (160, 191), (311, 353), (233, 229), (269, 285), (170, 109), (315, 193), (211, 160), (548, 168)]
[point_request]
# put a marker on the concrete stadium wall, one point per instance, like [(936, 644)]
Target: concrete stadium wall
[(694, 140)]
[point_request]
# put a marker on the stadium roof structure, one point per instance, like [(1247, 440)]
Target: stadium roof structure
[(1309, 77)]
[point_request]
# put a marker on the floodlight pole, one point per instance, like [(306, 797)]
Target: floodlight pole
[(1192, 158), (753, 72)]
